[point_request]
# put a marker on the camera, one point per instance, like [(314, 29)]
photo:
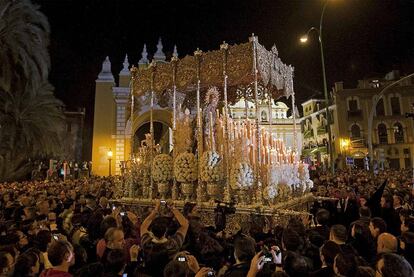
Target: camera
[(163, 202), (122, 213), (211, 273), (55, 237), (268, 258), (222, 209), (181, 259), (113, 207)]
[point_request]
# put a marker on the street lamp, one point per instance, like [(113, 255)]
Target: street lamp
[(303, 40), (109, 160)]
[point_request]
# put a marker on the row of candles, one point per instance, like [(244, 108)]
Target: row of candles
[(242, 133)]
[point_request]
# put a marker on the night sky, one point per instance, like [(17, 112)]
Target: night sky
[(362, 38)]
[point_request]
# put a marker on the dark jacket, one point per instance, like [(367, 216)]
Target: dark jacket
[(238, 270), (323, 272)]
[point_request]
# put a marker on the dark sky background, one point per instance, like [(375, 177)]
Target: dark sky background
[(362, 38)]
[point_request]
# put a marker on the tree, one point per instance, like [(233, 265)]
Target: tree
[(30, 115)]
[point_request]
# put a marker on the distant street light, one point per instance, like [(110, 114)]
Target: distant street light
[(110, 160), (303, 40)]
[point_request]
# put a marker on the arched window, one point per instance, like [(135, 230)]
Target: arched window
[(355, 131), (395, 105), (264, 116), (380, 108), (398, 133), (382, 134)]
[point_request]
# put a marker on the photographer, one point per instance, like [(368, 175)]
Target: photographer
[(158, 248)]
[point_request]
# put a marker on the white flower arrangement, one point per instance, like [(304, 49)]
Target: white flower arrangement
[(241, 176), (271, 192), (185, 167), (211, 167), (162, 168)]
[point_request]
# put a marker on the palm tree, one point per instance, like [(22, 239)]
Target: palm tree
[(30, 115), (24, 38)]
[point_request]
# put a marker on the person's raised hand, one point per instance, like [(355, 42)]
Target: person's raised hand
[(256, 264), (133, 252), (276, 254), (192, 263)]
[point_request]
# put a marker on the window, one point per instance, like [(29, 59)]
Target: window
[(382, 134), (380, 108), (355, 131), (398, 133), (395, 105), (353, 104)]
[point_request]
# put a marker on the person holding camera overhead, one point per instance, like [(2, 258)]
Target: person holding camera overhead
[(158, 247)]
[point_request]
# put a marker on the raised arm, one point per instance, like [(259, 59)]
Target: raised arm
[(147, 222), (181, 220)]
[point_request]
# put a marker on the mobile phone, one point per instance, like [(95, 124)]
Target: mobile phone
[(125, 275), (113, 207), (181, 259), (55, 237), (122, 213), (163, 202), (267, 255)]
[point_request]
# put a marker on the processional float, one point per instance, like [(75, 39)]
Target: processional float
[(216, 156)]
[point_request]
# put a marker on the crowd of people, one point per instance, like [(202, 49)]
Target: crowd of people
[(363, 227)]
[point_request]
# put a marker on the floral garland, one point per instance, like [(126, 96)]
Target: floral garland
[(185, 167), (162, 168), (241, 176), (211, 167)]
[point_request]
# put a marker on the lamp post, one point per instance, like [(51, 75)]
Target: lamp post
[(110, 160), (304, 39)]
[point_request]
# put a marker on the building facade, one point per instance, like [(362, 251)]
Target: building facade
[(392, 133)]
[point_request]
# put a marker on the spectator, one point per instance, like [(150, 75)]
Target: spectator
[(244, 251), (387, 243), (345, 265), (328, 252), (61, 256), (377, 226), (27, 265), (392, 265)]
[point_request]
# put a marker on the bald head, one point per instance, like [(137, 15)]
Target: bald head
[(387, 243)]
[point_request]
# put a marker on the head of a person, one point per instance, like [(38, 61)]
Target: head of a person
[(387, 243), (377, 226), (328, 252), (364, 212), (345, 265), (393, 265), (108, 222), (27, 264), (363, 200), (322, 217), (159, 227), (291, 240), (295, 265), (360, 231), (244, 249), (176, 268), (103, 202), (60, 252), (6, 263), (338, 234), (115, 261), (407, 242), (407, 225), (43, 207), (114, 238), (43, 239), (189, 209), (397, 200)]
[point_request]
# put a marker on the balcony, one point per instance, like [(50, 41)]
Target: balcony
[(355, 114)]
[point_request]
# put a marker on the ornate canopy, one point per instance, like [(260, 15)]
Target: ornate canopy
[(238, 62)]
